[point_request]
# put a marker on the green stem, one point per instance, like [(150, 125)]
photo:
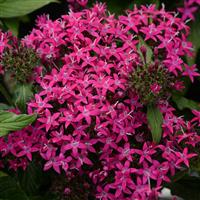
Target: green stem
[(5, 93)]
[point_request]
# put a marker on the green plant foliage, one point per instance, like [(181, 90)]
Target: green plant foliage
[(12, 24), (5, 93), (155, 119), (149, 52), (194, 38), (117, 7), (4, 106), (11, 122), (22, 95), (33, 179), (187, 188), (183, 103), (15, 8), (10, 189)]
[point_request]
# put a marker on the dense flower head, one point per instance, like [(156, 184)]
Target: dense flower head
[(151, 83), (92, 114), (18, 147), (17, 59)]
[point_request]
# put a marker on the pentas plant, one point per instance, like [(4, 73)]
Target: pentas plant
[(100, 76)]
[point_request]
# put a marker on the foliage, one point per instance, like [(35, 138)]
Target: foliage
[(17, 8), (12, 122), (155, 120), (114, 116)]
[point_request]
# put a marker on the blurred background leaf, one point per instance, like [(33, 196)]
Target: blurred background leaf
[(12, 24), (16, 8), (33, 181), (188, 188), (10, 189)]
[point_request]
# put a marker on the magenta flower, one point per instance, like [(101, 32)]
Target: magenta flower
[(190, 71), (155, 88), (27, 149), (188, 10), (197, 116), (91, 114), (126, 152), (151, 32), (53, 162), (184, 157), (74, 145), (145, 153), (40, 104), (49, 120), (86, 112), (123, 175)]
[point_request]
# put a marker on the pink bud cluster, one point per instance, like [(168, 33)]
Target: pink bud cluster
[(93, 121)]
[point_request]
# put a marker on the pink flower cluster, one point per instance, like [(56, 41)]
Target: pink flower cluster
[(90, 119), (18, 147)]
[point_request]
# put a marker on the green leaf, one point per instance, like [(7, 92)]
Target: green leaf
[(149, 53), (33, 179), (155, 119), (10, 189), (3, 174), (15, 8), (117, 7), (11, 122), (194, 38), (36, 198), (13, 25), (188, 188), (6, 94), (4, 106), (183, 103), (22, 95)]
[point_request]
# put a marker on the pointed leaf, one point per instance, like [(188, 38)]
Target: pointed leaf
[(33, 179), (149, 52), (187, 188), (183, 103), (11, 122), (194, 38), (10, 8), (4, 106), (10, 189), (23, 94), (155, 119), (5, 94)]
